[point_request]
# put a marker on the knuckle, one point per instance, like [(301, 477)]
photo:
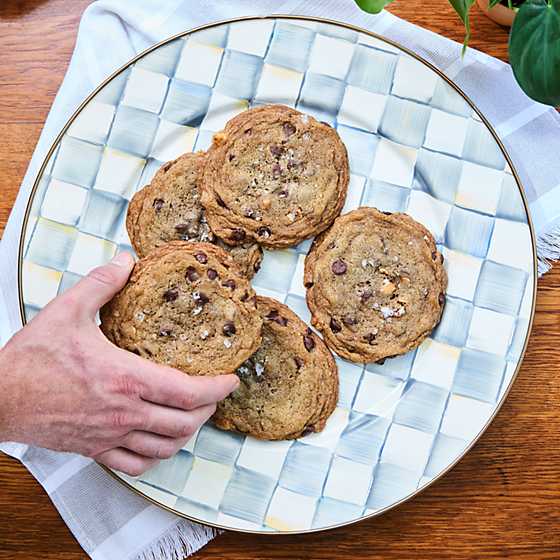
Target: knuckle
[(103, 275), (188, 400), (92, 450), (127, 385), (121, 419), (186, 429), (166, 450)]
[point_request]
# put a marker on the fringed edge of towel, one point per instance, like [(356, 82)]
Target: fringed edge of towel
[(182, 540), (548, 248)]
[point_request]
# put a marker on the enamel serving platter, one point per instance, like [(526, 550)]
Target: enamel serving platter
[(416, 145)]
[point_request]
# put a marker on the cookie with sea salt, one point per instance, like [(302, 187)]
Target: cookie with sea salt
[(375, 284), (275, 176), (169, 208), (186, 305), (289, 387)]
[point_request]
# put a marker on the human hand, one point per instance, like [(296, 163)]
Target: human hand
[(64, 386)]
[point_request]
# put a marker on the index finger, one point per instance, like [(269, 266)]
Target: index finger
[(167, 386)]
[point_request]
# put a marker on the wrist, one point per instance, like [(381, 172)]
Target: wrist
[(7, 396)]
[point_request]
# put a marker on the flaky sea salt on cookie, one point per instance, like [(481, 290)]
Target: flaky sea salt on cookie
[(289, 387), (375, 285), (186, 305), (275, 176)]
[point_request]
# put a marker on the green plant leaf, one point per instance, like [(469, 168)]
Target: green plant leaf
[(492, 3), (534, 50), (372, 6), (462, 7)]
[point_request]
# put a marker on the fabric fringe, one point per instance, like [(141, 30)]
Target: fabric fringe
[(182, 540), (548, 249)]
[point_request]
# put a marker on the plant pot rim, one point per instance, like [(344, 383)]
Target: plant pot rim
[(499, 13)]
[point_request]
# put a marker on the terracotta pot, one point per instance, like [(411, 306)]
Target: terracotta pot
[(499, 13)]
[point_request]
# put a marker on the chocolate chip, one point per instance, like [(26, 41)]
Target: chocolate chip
[(191, 274), (442, 259), (220, 202), (244, 297), (275, 150), (229, 284), (307, 431), (326, 124), (293, 164), (349, 321), (308, 285), (136, 351), (257, 267), (171, 295), (264, 232), (277, 170), (308, 342), (165, 332), (370, 337), (441, 299), (380, 362), (248, 131), (182, 229), (335, 325), (158, 204), (212, 274), (339, 267), (229, 329), (299, 362), (231, 157), (201, 257), (201, 298), (434, 255), (167, 166), (387, 213), (365, 295), (238, 234), (283, 194), (273, 315), (288, 129), (249, 213)]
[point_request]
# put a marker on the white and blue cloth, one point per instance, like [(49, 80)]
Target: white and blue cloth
[(112, 32)]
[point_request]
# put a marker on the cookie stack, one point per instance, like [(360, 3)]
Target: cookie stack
[(272, 178)]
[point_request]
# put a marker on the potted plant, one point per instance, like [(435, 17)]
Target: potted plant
[(503, 12), (534, 41)]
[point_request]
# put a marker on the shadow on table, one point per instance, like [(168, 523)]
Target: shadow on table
[(14, 9)]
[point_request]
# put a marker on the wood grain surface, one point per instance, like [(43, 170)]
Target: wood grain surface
[(501, 501)]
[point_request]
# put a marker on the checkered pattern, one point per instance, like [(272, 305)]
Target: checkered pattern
[(415, 146)]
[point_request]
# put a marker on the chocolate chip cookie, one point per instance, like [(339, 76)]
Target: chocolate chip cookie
[(375, 284), (169, 208), (289, 387), (186, 305), (275, 176)]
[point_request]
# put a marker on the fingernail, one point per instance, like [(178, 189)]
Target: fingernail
[(236, 383), (123, 259)]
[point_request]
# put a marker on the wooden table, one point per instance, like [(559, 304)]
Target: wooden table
[(501, 501)]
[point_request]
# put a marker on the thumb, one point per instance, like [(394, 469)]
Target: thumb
[(101, 284)]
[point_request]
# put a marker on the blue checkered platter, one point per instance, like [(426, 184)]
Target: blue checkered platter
[(415, 145)]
